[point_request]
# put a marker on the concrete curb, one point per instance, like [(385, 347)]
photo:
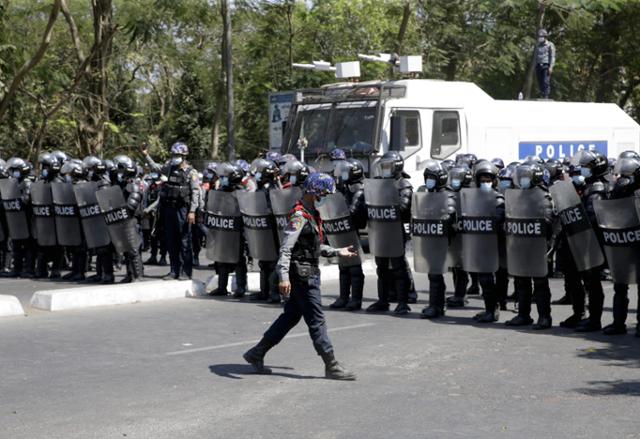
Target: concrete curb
[(88, 297), (10, 306)]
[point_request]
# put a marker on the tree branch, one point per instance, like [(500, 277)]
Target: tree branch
[(73, 30)]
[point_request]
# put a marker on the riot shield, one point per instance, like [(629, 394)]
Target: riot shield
[(67, 219), (479, 231), (224, 227), (258, 225), (582, 239), (525, 227), (282, 201), (386, 231), (14, 209), (44, 224), (95, 229), (429, 231), (454, 255), (339, 228), (620, 226), (119, 219)]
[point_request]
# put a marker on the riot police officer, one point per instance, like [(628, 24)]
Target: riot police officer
[(131, 187), (265, 174), (156, 236), (435, 180), (460, 177), (18, 212), (530, 177), (230, 180), (71, 171), (627, 184), (179, 199), (299, 275), (5, 255), (294, 173), (349, 175), (393, 272)]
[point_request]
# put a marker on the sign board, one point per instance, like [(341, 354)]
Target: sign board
[(560, 149), (279, 106)]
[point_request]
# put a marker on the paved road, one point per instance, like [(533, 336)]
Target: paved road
[(173, 369)]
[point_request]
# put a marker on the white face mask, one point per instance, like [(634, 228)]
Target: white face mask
[(293, 179), (430, 183), (541, 40), (525, 183), (176, 160), (486, 186)]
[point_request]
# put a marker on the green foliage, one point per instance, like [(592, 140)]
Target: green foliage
[(165, 71)]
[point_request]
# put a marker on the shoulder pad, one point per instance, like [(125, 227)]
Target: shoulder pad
[(422, 189), (403, 183)]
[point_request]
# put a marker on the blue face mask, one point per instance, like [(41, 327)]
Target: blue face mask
[(345, 176), (224, 181), (578, 180), (176, 160), (505, 184), (258, 176), (45, 173), (16, 174), (456, 184), (293, 179), (585, 172), (486, 186), (430, 183), (525, 183), (120, 177), (68, 179)]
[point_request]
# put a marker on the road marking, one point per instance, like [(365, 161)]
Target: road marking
[(250, 342)]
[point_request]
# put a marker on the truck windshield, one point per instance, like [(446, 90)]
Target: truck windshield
[(347, 125)]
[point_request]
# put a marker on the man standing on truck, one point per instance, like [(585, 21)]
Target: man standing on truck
[(545, 60)]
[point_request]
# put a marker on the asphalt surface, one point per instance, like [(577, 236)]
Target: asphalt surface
[(173, 369)]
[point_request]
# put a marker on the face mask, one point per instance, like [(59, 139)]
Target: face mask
[(258, 176), (45, 173), (541, 40), (154, 175), (430, 183), (578, 180), (456, 184), (525, 183), (176, 160), (68, 179), (320, 202), (224, 181), (486, 186), (505, 184), (16, 174), (345, 176), (293, 179), (585, 172), (120, 177), (386, 173)]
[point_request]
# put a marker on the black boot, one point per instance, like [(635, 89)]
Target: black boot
[(354, 305), (564, 300), (456, 302), (615, 329), (519, 320), (573, 321), (588, 325), (431, 312), (340, 303), (544, 322), (334, 370), (255, 356)]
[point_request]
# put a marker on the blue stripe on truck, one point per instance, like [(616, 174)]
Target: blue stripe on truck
[(560, 150)]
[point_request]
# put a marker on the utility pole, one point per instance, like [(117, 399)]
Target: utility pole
[(226, 20)]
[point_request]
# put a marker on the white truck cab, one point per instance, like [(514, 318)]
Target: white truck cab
[(430, 119)]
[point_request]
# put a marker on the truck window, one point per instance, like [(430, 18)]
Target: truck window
[(445, 138), (405, 130)]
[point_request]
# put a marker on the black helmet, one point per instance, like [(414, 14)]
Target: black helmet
[(484, 167), (295, 172), (125, 165), (533, 159), (391, 162), (18, 167), (529, 175), (49, 162), (554, 168), (92, 165), (230, 174), (263, 170), (459, 177), (498, 163), (72, 169), (210, 173), (627, 171), (508, 172), (629, 154), (447, 164), (591, 162), (349, 171), (433, 170)]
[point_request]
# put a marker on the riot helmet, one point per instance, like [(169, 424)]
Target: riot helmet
[(72, 171), (498, 163), (592, 164), (263, 171), (18, 168), (529, 175), (459, 177), (390, 165), (434, 176), (295, 172), (49, 165)]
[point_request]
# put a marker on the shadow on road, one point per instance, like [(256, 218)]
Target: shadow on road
[(611, 388), (238, 371)]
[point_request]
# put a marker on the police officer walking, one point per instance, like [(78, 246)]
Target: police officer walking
[(299, 276), (179, 199)]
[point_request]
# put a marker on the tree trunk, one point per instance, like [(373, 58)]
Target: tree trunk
[(33, 61), (402, 32), (226, 20), (219, 111), (528, 82)]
